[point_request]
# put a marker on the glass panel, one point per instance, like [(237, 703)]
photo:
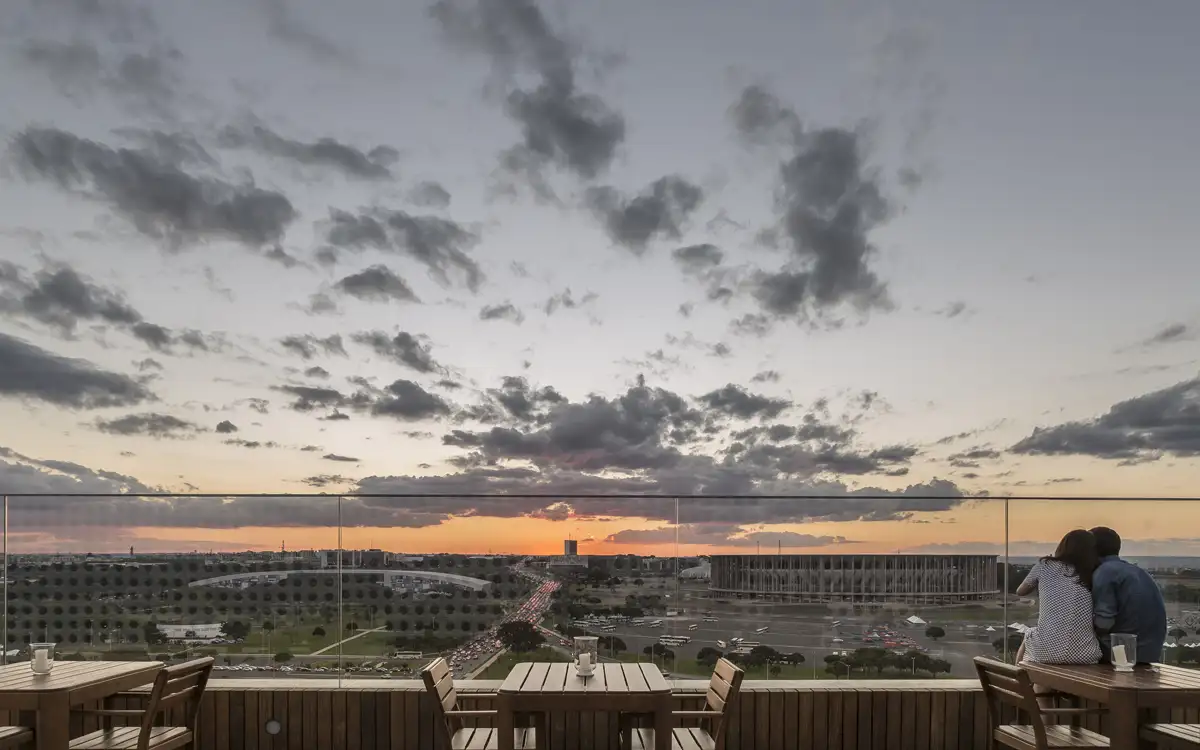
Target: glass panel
[(1149, 533), (247, 580), (841, 586)]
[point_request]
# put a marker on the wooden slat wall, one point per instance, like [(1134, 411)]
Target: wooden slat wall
[(769, 715)]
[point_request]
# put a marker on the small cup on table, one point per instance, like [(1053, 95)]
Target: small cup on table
[(1124, 651)]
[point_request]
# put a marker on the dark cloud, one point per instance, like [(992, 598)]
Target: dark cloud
[(226, 427), (429, 194), (564, 300), (720, 349), (374, 164), (317, 372), (324, 480), (441, 245), (60, 297), (408, 401), (158, 198), (403, 348), (282, 257), (952, 310), (506, 311), (148, 80), (376, 284), (829, 202), (29, 372), (658, 211), (698, 258), (522, 402), (968, 459), (735, 401), (306, 346), (343, 459), (250, 444), (1170, 334), (560, 125), (310, 398), (150, 424), (1145, 428), (148, 364), (766, 376), (335, 416)]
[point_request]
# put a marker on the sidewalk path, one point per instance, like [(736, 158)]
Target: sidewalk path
[(359, 634)]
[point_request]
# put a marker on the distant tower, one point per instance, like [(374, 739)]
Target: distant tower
[(570, 547), (131, 550)]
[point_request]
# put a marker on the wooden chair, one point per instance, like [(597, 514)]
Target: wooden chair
[(14, 736), (439, 683), (1004, 684), (720, 699), (179, 686), (1173, 736)]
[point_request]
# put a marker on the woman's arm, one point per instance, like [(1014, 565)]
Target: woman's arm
[(1029, 585)]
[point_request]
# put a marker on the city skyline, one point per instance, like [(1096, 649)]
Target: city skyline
[(519, 248)]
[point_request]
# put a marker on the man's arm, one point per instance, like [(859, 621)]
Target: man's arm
[(1104, 599)]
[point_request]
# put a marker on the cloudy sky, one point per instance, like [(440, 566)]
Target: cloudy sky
[(508, 247)]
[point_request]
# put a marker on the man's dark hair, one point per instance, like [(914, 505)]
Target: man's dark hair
[(1108, 542)]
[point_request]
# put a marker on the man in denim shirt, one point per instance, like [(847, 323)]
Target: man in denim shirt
[(1125, 599)]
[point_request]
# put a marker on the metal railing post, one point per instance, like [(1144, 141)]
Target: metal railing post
[(1004, 600), (4, 648), (341, 604)]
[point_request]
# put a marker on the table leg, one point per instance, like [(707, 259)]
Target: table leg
[(505, 724), (53, 729), (662, 722), (1123, 715)]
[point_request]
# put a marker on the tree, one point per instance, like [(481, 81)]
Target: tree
[(152, 634), (235, 630), (795, 658), (268, 626), (760, 655), (935, 632), (1177, 633), (318, 632), (708, 656), (351, 626), (638, 582), (613, 644), (775, 670), (520, 636), (283, 656)]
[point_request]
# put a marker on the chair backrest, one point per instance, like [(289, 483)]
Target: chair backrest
[(722, 696), (180, 685), (439, 683), (1004, 684)]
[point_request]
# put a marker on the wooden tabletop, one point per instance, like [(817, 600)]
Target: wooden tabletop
[(20, 687), (1155, 685), (608, 679)]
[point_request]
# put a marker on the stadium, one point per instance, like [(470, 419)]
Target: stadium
[(866, 579)]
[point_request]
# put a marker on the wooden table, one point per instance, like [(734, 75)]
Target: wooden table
[(70, 684), (546, 688), (1126, 694)]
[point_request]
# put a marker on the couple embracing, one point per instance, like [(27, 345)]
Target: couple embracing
[(1087, 592)]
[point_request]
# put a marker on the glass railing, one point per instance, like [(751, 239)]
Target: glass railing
[(372, 587)]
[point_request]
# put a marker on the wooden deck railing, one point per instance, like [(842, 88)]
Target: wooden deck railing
[(770, 715)]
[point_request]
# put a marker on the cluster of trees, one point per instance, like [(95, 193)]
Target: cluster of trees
[(880, 659), (759, 656), (520, 636)]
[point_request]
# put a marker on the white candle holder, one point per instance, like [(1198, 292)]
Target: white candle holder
[(41, 657), (587, 654)]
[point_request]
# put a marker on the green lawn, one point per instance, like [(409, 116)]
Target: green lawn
[(500, 668)]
